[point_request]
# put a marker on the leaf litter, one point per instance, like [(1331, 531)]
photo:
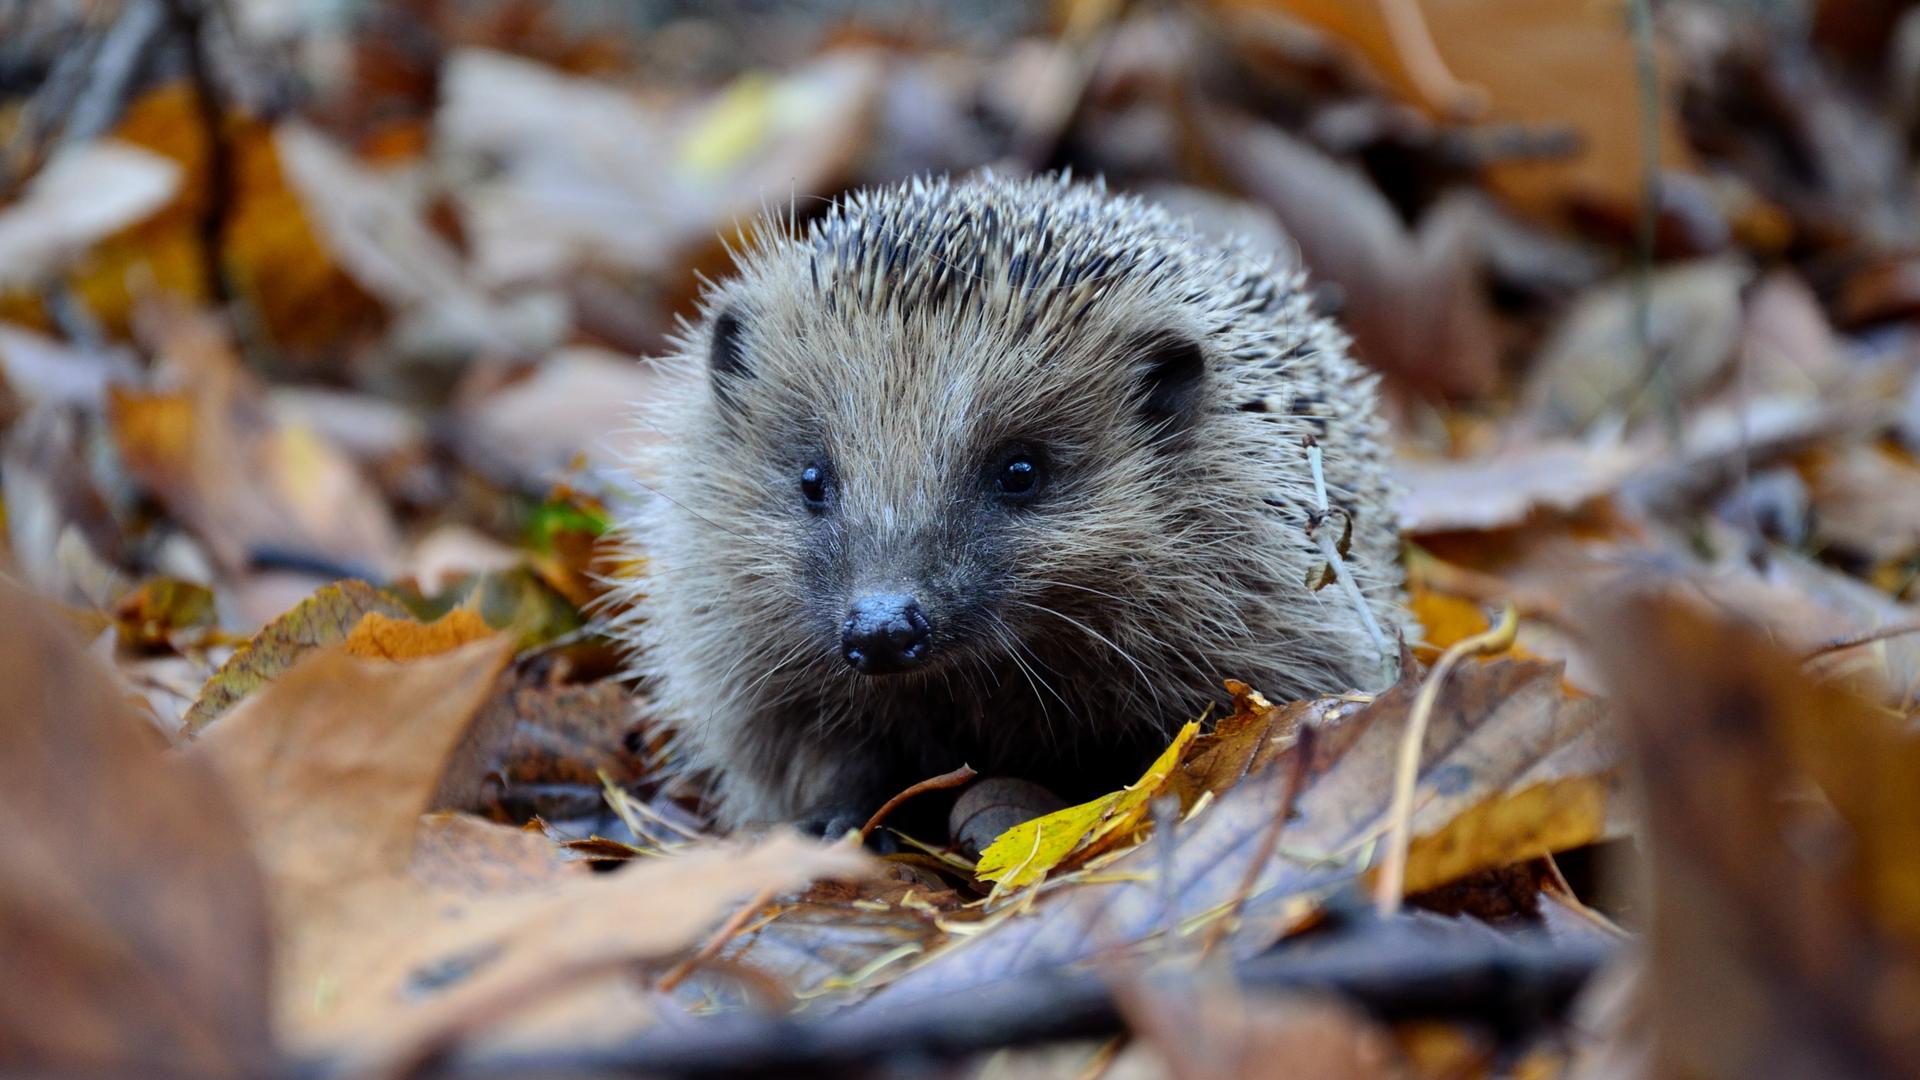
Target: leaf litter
[(315, 407)]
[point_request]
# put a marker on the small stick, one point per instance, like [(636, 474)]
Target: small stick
[(1296, 778), (1388, 890), (1331, 552), (1426, 69), (936, 783), (1891, 630), (679, 972)]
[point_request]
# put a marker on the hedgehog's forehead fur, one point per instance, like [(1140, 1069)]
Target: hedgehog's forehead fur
[(908, 331)]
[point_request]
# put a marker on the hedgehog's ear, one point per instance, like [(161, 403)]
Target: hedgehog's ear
[(726, 357), (1171, 366)]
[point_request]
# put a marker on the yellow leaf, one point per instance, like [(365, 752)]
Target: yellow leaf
[(382, 637), (1028, 851), (1024, 853), (269, 248), (733, 127), (1508, 828)]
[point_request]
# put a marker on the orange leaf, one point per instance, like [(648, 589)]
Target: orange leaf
[(382, 637)]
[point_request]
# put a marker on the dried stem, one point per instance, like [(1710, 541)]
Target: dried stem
[(1331, 552), (679, 972), (936, 783), (1296, 778), (1426, 69), (1389, 889)]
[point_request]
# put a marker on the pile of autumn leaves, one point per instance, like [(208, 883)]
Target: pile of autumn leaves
[(279, 887)]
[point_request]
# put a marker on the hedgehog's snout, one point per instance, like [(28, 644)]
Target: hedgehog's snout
[(885, 633)]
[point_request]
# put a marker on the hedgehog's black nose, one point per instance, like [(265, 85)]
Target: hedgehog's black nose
[(884, 633)]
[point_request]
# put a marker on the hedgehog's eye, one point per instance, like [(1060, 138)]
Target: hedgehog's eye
[(1019, 476), (814, 481)]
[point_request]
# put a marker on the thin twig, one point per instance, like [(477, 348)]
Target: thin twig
[(1331, 552), (1296, 777), (1396, 975), (935, 783), (679, 972), (1891, 630), (189, 23), (1391, 886), (1647, 76), (1426, 68), (118, 62)]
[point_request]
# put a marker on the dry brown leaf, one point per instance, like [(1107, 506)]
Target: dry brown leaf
[(1244, 742), (1786, 343), (1412, 301), (379, 237), (336, 759), (584, 174), (534, 745), (133, 925), (212, 452), (270, 254), (1542, 63), (325, 618), (577, 405), (1785, 928), (1510, 768), (1218, 1032), (1592, 365), (1508, 486), (1866, 501), (388, 946)]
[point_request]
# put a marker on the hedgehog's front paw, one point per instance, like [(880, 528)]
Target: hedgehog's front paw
[(837, 820)]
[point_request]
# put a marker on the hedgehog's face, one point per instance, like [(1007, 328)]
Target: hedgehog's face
[(939, 503)]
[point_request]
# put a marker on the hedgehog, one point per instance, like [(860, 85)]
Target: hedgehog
[(1004, 472)]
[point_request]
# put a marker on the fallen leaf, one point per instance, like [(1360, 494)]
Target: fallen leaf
[(384, 242), (1539, 63), (212, 451), (61, 533), (1784, 936), (1244, 742), (38, 369), (1212, 1032), (270, 255), (153, 614), (1412, 301), (1029, 851), (542, 750), (1506, 487), (586, 175), (383, 954), (325, 618), (82, 195), (1504, 738), (578, 403), (1593, 365), (133, 925), (1866, 502), (382, 637), (992, 805)]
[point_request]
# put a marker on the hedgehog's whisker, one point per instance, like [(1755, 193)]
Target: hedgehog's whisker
[(1014, 646), (1104, 640)]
